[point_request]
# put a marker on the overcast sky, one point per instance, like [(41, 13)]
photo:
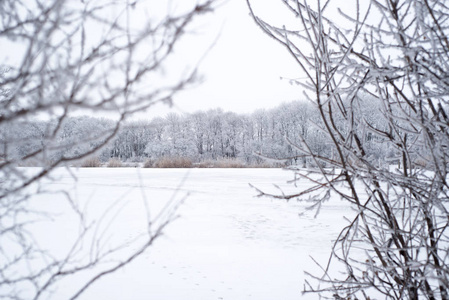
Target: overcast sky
[(243, 70)]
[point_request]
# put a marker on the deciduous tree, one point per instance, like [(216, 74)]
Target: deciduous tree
[(60, 58), (390, 56)]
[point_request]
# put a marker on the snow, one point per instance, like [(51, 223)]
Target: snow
[(225, 244)]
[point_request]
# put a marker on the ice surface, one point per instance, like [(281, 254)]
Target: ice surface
[(226, 243)]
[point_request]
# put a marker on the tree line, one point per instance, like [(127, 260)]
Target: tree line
[(277, 134)]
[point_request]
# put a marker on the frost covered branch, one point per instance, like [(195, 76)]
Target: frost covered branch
[(388, 58)]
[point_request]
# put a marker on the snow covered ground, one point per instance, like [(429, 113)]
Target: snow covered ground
[(226, 243)]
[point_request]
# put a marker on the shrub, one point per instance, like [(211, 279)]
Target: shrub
[(222, 163), (115, 163), (91, 162), (173, 162)]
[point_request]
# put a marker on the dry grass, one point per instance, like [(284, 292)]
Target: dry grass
[(184, 162), (173, 162), (91, 162), (114, 163), (235, 163)]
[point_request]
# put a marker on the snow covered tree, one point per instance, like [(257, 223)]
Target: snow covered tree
[(231, 131), (60, 58), (197, 121), (390, 56)]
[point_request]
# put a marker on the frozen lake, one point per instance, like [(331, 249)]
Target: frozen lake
[(225, 244)]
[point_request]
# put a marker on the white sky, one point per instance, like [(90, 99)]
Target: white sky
[(243, 70)]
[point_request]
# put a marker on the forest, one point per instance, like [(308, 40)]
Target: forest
[(272, 137)]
